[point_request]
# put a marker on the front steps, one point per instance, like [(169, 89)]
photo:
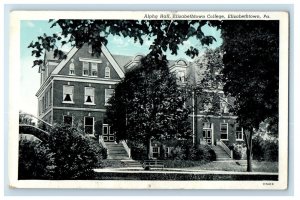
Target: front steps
[(220, 153), (116, 151)]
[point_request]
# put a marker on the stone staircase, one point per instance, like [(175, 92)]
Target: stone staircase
[(116, 151), (220, 153)]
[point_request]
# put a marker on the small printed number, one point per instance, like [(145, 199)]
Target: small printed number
[(268, 183)]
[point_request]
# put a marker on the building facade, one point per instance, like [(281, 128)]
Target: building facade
[(76, 91)]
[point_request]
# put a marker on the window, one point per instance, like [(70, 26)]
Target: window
[(89, 94), (68, 120), (68, 94), (50, 96), (155, 152), (224, 131), (72, 69), (167, 153), (107, 72), (108, 94), (85, 66), (181, 77), (238, 132), (94, 69), (89, 125), (223, 106)]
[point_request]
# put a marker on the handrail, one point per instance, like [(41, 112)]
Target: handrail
[(128, 150), (101, 141), (39, 133), (27, 114), (226, 149)]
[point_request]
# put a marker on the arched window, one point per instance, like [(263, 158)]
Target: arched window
[(72, 69), (107, 72)]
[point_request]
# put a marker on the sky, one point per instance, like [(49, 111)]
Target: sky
[(30, 78)]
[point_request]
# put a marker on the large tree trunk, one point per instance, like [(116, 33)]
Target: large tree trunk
[(149, 148), (249, 152)]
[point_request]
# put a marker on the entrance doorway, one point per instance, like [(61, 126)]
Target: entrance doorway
[(207, 132), (107, 133), (207, 136)]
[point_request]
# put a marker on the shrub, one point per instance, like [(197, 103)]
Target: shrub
[(239, 151), (138, 151), (271, 151), (75, 154), (36, 161), (265, 149)]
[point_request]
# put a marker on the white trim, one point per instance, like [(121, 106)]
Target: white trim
[(90, 60), (79, 109), (236, 139), (65, 61), (105, 52), (89, 125), (86, 79), (112, 61), (226, 131), (68, 102), (42, 88)]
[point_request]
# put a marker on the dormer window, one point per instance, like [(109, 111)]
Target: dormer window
[(85, 68), (72, 68), (94, 69)]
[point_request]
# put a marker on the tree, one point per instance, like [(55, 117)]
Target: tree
[(168, 35), (36, 161), (251, 74), (148, 105), (75, 154)]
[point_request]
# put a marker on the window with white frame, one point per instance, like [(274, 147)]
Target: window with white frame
[(72, 69), (85, 68), (89, 95), (108, 94), (238, 132), (89, 125), (68, 92), (224, 131), (68, 120), (155, 152), (94, 69), (107, 72)]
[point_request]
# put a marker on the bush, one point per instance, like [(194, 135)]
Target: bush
[(75, 155), (239, 151), (138, 151), (36, 161), (264, 149)]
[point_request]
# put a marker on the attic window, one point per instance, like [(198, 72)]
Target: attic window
[(107, 72), (72, 68), (94, 69), (85, 66)]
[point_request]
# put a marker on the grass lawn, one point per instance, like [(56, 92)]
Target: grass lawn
[(233, 166)]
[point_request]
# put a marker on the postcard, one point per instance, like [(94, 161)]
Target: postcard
[(148, 99)]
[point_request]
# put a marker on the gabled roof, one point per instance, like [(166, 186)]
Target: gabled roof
[(105, 52)]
